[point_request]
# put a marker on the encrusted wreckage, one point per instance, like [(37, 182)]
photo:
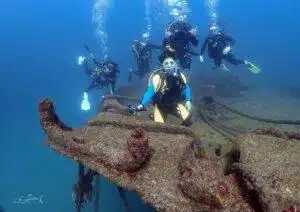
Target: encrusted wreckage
[(168, 166)]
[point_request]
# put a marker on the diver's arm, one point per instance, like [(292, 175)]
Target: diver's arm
[(97, 63), (155, 46), (166, 42), (229, 40), (187, 92), (117, 73), (87, 70), (193, 39), (135, 51), (203, 48), (147, 98), (93, 85), (167, 45), (193, 53)]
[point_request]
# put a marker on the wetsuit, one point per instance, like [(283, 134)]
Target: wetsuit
[(179, 41), (103, 75), (167, 93), (143, 54), (110, 73), (216, 43)]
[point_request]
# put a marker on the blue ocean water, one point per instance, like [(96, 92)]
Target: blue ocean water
[(40, 42)]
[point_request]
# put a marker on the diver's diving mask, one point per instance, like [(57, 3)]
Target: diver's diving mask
[(214, 29), (170, 66)]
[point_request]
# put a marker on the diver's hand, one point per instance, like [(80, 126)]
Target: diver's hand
[(201, 59), (193, 31), (226, 50), (140, 107), (224, 68), (81, 59), (169, 48), (167, 33), (134, 110), (85, 104), (188, 105)]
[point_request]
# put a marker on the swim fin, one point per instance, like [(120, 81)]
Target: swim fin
[(253, 68), (85, 104)]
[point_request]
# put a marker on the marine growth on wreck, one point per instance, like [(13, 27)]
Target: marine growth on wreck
[(173, 169)]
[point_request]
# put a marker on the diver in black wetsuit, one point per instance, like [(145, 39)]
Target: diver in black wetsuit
[(219, 47), (104, 74), (142, 51), (178, 36)]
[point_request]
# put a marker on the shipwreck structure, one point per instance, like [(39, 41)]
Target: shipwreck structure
[(170, 167)]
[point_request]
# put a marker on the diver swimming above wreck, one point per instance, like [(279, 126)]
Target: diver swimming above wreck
[(168, 89)]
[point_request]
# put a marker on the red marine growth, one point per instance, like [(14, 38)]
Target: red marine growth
[(138, 145)]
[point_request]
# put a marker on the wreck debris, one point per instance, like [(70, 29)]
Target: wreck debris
[(83, 189), (264, 193), (104, 147), (270, 168), (204, 182), (169, 168), (277, 133), (267, 120)]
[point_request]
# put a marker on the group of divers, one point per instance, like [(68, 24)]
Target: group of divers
[(168, 89)]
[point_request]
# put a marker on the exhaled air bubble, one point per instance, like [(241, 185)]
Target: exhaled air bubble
[(100, 8)]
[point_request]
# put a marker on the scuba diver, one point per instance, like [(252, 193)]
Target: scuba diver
[(178, 36), (168, 90), (220, 47), (103, 75), (142, 51)]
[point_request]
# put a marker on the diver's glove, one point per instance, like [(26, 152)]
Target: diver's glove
[(224, 68), (169, 48), (134, 110), (201, 59), (81, 59), (226, 50), (193, 31), (167, 33), (85, 104), (140, 107), (188, 105)]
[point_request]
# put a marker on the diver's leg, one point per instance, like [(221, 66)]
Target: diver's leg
[(187, 61), (93, 85), (130, 75), (158, 115), (181, 112), (218, 61), (146, 67), (86, 68), (161, 57), (233, 60), (112, 88)]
